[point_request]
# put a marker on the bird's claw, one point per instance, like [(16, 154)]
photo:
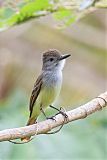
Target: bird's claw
[(52, 118), (62, 112)]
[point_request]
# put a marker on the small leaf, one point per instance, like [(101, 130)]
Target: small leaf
[(71, 20), (5, 13), (67, 16), (26, 12), (61, 14)]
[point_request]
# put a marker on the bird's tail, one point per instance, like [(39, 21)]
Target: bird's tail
[(30, 122)]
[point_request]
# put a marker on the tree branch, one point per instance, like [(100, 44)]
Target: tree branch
[(43, 127)]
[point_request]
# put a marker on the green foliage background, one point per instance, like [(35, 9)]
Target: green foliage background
[(16, 12)]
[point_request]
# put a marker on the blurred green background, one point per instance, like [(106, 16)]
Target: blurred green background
[(84, 78)]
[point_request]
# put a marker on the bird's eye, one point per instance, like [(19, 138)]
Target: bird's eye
[(51, 59)]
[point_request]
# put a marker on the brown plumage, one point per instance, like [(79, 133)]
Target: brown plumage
[(34, 95)]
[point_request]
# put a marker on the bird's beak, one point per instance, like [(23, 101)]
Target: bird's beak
[(64, 56)]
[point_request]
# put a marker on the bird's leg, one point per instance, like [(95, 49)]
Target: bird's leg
[(60, 111), (46, 115), (65, 118)]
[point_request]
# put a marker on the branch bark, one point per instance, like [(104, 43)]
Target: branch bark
[(43, 127)]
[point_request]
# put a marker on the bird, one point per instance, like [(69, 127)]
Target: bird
[(47, 86)]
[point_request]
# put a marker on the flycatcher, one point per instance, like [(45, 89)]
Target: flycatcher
[(48, 85)]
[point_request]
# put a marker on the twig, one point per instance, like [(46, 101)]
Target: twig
[(43, 127)]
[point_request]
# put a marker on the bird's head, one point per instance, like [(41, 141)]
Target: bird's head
[(53, 60)]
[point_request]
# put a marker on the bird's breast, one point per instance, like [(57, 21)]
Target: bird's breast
[(51, 89)]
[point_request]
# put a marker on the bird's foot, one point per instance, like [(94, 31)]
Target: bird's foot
[(63, 112), (60, 111), (52, 118)]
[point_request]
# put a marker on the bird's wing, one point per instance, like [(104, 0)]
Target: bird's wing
[(35, 93)]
